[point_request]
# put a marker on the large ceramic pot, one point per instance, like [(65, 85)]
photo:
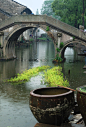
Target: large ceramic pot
[(81, 100), (51, 105)]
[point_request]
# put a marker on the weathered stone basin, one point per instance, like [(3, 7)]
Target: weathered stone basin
[(51, 105), (81, 100)]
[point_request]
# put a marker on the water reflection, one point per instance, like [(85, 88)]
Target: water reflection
[(14, 99), (75, 64), (69, 53)]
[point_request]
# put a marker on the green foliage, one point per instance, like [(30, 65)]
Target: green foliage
[(43, 38), (61, 45), (83, 89), (58, 58), (58, 50), (27, 74), (73, 38), (54, 77), (0, 44), (71, 11), (47, 29), (47, 9)]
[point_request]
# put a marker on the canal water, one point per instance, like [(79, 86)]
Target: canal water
[(14, 99)]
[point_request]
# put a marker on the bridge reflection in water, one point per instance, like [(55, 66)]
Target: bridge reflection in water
[(14, 99)]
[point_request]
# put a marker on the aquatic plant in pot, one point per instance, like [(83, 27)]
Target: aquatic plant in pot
[(81, 100)]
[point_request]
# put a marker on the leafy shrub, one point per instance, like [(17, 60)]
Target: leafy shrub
[(58, 50), (58, 58)]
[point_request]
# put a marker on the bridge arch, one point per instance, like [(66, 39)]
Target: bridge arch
[(66, 45), (9, 42)]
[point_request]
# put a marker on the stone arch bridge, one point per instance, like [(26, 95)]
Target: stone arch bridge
[(61, 53), (19, 23)]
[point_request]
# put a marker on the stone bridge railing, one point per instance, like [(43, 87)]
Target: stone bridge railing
[(43, 19)]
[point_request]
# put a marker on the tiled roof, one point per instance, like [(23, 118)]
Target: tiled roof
[(12, 7)]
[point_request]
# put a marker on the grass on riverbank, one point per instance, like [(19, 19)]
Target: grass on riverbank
[(43, 38)]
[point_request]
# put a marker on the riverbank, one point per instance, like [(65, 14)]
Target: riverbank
[(27, 43)]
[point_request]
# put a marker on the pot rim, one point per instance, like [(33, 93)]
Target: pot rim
[(49, 96), (78, 89)]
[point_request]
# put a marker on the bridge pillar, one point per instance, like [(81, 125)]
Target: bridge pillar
[(9, 51), (1, 39), (59, 35), (1, 44)]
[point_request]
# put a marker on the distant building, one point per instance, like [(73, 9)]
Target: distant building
[(9, 8)]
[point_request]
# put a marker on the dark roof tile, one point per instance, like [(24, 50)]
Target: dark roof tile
[(12, 7)]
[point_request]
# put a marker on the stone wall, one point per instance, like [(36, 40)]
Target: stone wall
[(66, 37), (3, 16)]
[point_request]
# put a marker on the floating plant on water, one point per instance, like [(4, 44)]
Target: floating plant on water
[(54, 77), (27, 74)]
